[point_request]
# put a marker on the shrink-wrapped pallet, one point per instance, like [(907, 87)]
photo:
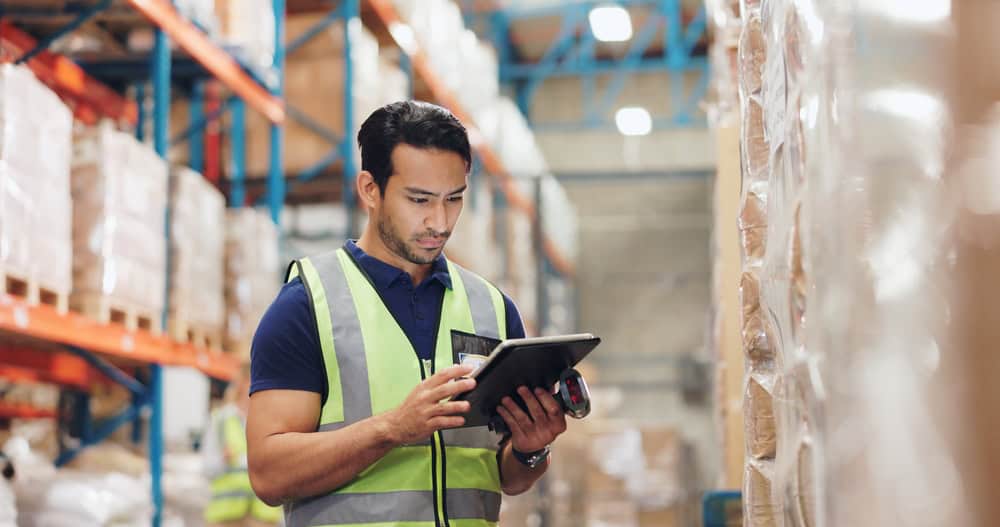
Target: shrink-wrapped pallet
[(252, 275), (35, 209), (197, 238), (119, 249)]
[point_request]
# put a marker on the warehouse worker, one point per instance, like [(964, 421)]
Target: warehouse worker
[(352, 361), (224, 453)]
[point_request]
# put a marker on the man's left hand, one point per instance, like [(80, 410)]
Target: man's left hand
[(529, 433)]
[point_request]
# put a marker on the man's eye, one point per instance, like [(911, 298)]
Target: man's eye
[(419, 200), (455, 199)]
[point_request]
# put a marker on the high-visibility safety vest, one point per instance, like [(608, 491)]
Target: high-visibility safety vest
[(450, 480), (232, 496)]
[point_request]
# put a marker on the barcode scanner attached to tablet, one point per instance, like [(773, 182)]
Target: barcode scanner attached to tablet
[(572, 395), (541, 362)]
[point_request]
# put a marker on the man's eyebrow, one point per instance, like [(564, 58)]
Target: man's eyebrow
[(422, 192)]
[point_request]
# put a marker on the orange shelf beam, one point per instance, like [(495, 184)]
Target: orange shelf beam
[(45, 324), (24, 411), (89, 98), (28, 365), (212, 57), (403, 36)]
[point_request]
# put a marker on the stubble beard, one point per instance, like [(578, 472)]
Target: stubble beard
[(398, 246)]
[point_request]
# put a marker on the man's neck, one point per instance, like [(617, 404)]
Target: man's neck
[(371, 243)]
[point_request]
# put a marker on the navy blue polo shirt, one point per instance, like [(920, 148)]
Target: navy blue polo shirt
[(286, 353)]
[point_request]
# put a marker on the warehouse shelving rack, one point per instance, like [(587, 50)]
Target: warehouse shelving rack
[(38, 343), (67, 349), (382, 19)]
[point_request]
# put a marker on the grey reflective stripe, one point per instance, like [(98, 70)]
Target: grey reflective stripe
[(235, 470), (473, 437), (473, 503), (484, 314), (347, 340), (233, 494), (337, 426), (332, 426), (375, 507)]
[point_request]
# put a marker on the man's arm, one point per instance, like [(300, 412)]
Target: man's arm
[(289, 460), (528, 433)]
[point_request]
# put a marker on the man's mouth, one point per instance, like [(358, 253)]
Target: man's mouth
[(431, 243)]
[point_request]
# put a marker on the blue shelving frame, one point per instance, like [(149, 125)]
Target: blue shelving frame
[(147, 394), (572, 54)]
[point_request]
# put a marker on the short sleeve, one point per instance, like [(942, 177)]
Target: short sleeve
[(286, 353), (515, 326)]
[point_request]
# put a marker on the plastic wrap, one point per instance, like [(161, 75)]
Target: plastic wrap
[(252, 274), (847, 146), (35, 153), (247, 27), (197, 237), (119, 194)]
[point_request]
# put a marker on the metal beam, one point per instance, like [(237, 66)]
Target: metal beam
[(276, 176), (47, 41), (311, 124), (313, 31), (515, 72), (632, 58)]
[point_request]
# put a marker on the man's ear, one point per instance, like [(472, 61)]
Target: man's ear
[(368, 191)]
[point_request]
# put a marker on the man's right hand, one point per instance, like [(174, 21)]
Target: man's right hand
[(426, 410)]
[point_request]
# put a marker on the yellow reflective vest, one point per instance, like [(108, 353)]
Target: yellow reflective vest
[(450, 480)]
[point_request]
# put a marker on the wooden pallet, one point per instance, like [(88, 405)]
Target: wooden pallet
[(15, 284), (199, 335), (110, 310)]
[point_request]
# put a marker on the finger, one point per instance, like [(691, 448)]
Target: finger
[(534, 407), (451, 408), (548, 402), (449, 373), (452, 389), (442, 422), (518, 414), (512, 424)]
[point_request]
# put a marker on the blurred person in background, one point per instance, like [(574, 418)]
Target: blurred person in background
[(224, 453), (353, 363)]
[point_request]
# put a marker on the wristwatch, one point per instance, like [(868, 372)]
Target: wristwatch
[(531, 459)]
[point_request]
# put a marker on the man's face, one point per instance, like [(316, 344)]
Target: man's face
[(421, 203)]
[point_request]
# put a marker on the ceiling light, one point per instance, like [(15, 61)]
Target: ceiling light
[(610, 23), (633, 120)]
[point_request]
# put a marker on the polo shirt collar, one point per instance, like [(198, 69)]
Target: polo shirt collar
[(385, 275)]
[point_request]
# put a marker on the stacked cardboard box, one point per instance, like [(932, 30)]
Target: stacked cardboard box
[(247, 26), (314, 85), (197, 241), (35, 208), (252, 275), (631, 476), (119, 252)]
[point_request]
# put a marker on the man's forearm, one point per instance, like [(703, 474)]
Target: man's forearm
[(515, 477), (295, 465)]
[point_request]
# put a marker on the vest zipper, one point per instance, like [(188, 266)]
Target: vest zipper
[(437, 440), (440, 518)]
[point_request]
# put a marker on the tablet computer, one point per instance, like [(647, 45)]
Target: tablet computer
[(533, 362)]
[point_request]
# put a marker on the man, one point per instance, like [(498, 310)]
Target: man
[(224, 453), (352, 364)]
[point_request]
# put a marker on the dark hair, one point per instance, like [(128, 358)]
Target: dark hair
[(418, 124)]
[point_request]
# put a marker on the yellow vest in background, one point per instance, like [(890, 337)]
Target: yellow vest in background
[(232, 496)]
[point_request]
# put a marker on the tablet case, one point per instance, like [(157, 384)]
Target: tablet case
[(533, 362)]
